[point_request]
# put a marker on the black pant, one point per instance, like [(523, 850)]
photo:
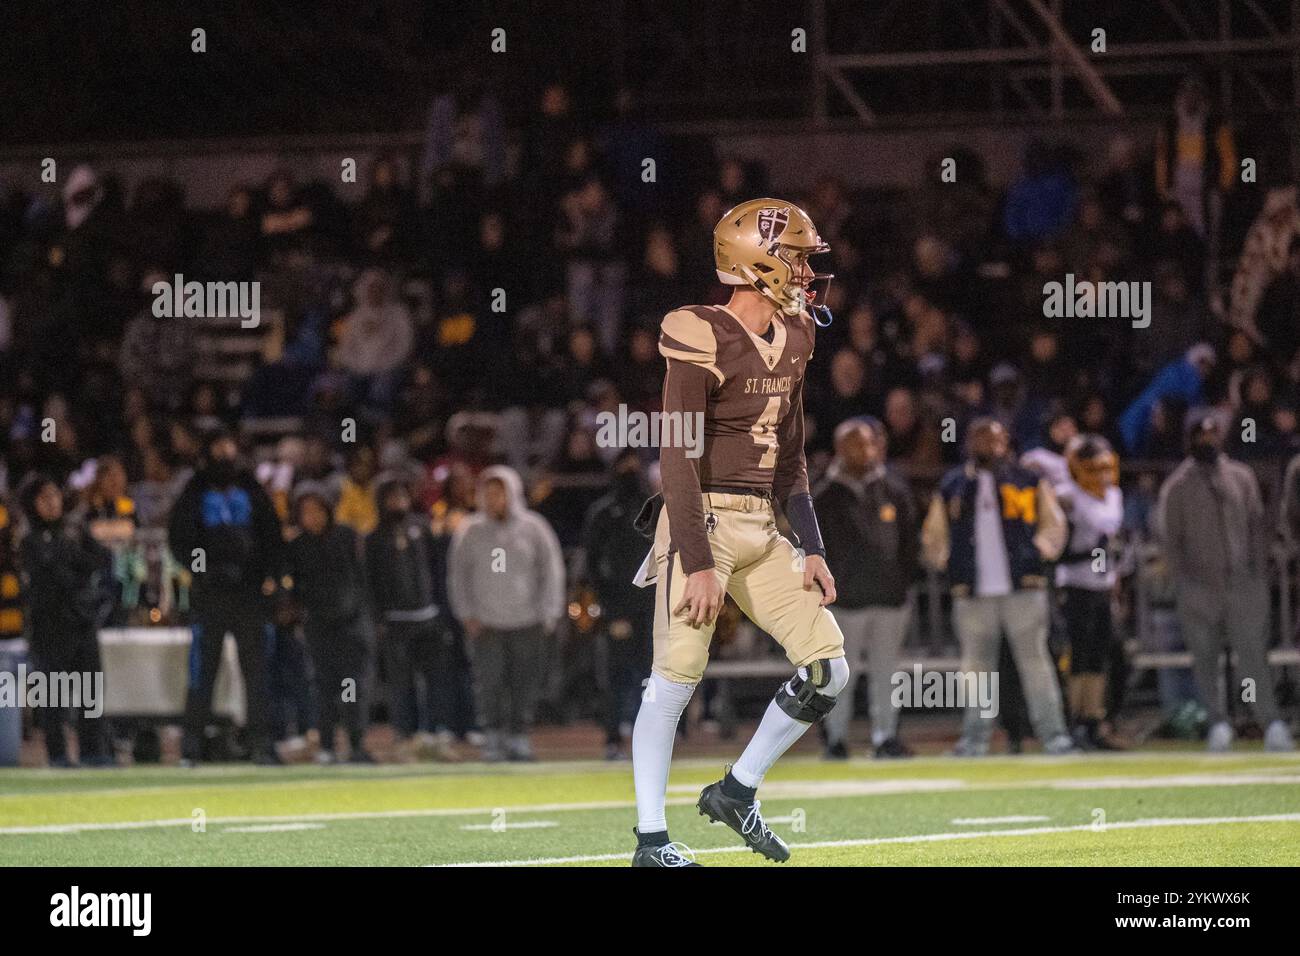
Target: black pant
[(77, 655), (627, 664), (1089, 626), (1014, 710), (288, 686), (340, 660), (242, 618), (506, 677), (414, 655)]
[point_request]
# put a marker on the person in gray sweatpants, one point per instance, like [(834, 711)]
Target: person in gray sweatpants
[(870, 531), (994, 526), (505, 583), (1211, 521)]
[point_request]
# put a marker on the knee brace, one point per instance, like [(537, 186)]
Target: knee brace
[(810, 694)]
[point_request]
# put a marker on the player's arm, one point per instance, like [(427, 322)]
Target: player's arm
[(790, 489), (688, 344), (1052, 533), (686, 391)]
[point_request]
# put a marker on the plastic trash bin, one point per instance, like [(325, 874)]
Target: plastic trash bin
[(12, 653)]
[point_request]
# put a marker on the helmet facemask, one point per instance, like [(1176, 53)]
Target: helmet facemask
[(797, 291)]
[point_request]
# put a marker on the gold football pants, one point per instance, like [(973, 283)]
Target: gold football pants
[(761, 571)]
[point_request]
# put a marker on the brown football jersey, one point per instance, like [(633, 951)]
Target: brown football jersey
[(750, 392)]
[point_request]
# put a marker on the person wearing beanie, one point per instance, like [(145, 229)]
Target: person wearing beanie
[(1210, 518)]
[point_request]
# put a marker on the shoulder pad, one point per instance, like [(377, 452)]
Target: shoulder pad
[(687, 336)]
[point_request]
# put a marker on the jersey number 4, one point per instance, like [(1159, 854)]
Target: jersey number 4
[(764, 432)]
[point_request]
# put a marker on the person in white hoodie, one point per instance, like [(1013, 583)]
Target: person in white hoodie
[(506, 585), (376, 339)]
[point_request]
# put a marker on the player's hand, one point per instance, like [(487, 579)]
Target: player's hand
[(702, 599), (473, 628), (816, 572)]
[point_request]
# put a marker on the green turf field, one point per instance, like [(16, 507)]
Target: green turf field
[(1128, 809)]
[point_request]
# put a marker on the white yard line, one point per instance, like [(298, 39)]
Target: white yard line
[(526, 825), (917, 838), (275, 828), (985, 821)]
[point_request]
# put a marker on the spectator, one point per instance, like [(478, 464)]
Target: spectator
[(1211, 522), (357, 507), (1041, 201), (65, 578), (464, 147), (288, 221), (384, 219), (596, 277), (229, 243), (1196, 157), (612, 551), (870, 531), (224, 529), (1183, 380), (107, 511), (993, 526), (403, 567), (375, 341), (1175, 241), (506, 584), (1264, 258), (157, 353), (325, 562), (157, 490), (914, 440)]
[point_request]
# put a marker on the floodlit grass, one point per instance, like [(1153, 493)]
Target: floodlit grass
[(1157, 808)]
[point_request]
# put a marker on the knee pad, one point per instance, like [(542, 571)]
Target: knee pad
[(810, 694)]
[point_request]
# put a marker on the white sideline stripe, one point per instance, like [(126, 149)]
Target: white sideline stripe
[(983, 821), (806, 790), (1175, 780), (274, 828), (917, 838), (526, 825)]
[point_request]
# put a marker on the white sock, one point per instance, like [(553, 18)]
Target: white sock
[(778, 730), (653, 735), (776, 733)]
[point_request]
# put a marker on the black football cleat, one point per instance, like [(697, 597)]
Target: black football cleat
[(893, 749), (670, 855), (744, 818)]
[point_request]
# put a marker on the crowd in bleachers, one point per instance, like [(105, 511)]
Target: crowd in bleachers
[(485, 307)]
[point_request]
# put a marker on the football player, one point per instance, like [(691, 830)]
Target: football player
[(1085, 575), (741, 367)]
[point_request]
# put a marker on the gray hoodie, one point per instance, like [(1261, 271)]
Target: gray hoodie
[(506, 574)]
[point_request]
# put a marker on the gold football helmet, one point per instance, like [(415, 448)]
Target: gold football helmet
[(1094, 466), (765, 244)]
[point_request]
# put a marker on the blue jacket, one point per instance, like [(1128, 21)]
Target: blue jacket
[(1177, 379)]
